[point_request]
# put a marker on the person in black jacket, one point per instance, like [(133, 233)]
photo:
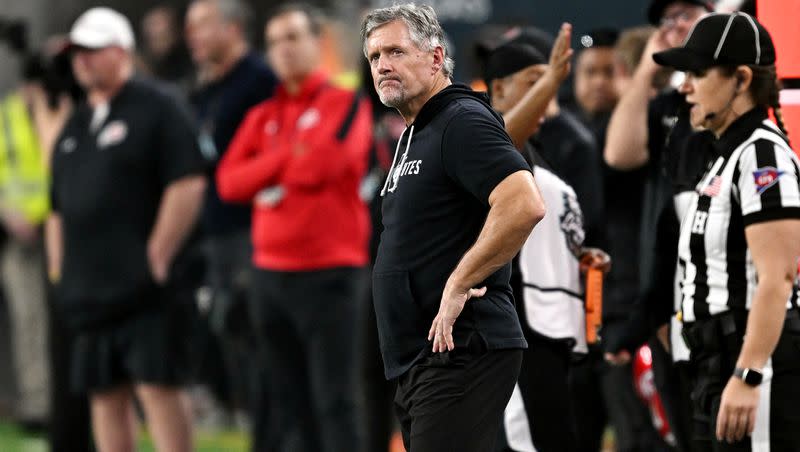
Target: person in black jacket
[(458, 204)]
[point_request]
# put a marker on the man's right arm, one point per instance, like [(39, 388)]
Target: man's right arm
[(627, 135), (243, 171), (523, 119)]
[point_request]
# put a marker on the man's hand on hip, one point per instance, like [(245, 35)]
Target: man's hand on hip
[(453, 301)]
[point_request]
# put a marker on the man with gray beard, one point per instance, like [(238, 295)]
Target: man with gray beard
[(458, 203)]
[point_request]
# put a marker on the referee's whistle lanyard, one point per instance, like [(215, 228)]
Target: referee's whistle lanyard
[(393, 179)]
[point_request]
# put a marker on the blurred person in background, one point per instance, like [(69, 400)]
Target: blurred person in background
[(299, 158), (24, 205), (164, 52), (546, 278), (655, 135), (566, 144), (231, 78), (628, 53), (54, 94), (594, 90), (127, 186), (595, 98)]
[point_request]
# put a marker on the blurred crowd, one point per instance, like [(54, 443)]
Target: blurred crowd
[(234, 285)]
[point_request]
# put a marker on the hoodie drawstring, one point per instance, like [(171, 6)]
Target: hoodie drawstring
[(390, 175)]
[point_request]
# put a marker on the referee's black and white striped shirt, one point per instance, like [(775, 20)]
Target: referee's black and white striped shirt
[(754, 179)]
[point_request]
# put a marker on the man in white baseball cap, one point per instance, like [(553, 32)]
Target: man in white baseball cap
[(101, 42), (127, 185), (102, 27)]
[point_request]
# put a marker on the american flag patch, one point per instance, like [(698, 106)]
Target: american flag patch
[(713, 187)]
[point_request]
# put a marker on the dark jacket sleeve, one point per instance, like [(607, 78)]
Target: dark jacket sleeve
[(659, 253)]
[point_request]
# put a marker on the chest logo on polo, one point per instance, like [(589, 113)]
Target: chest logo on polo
[(271, 127), (766, 177), (113, 133), (68, 145), (308, 119)]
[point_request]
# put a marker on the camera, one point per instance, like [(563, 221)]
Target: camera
[(53, 72), (15, 34)]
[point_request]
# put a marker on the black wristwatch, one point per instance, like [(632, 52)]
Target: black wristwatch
[(750, 377)]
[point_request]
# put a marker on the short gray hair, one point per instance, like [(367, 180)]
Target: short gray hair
[(423, 26), (233, 11)]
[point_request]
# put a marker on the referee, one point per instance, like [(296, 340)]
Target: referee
[(739, 243)]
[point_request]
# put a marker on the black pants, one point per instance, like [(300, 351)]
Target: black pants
[(673, 382), (454, 401), (70, 425), (308, 327), (545, 396), (715, 345)]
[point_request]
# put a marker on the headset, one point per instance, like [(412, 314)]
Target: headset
[(714, 114)]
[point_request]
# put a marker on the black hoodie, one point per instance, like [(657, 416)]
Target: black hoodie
[(435, 202)]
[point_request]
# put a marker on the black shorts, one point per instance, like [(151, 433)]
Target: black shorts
[(454, 401), (151, 346)]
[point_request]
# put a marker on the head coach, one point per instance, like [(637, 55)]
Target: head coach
[(458, 203)]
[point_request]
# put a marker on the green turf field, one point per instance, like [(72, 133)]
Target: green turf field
[(14, 440)]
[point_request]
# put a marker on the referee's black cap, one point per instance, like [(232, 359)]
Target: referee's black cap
[(657, 8), (721, 40)]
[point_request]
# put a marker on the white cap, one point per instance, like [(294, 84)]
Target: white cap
[(102, 27)]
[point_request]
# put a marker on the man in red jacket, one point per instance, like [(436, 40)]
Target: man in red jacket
[(299, 157)]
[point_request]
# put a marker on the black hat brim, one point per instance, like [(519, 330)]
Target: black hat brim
[(683, 59)]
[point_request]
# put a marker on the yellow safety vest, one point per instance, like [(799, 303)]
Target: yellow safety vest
[(23, 178)]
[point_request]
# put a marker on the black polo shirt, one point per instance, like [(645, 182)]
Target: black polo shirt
[(107, 185)]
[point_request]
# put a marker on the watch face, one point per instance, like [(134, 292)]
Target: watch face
[(751, 377)]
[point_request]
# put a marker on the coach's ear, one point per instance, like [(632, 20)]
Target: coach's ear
[(438, 59)]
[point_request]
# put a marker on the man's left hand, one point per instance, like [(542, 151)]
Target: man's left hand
[(453, 301), (737, 411)]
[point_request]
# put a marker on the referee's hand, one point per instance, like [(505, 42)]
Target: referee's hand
[(441, 332), (737, 411)]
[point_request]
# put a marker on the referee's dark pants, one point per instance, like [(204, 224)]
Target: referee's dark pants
[(307, 325), (454, 401), (715, 345)]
